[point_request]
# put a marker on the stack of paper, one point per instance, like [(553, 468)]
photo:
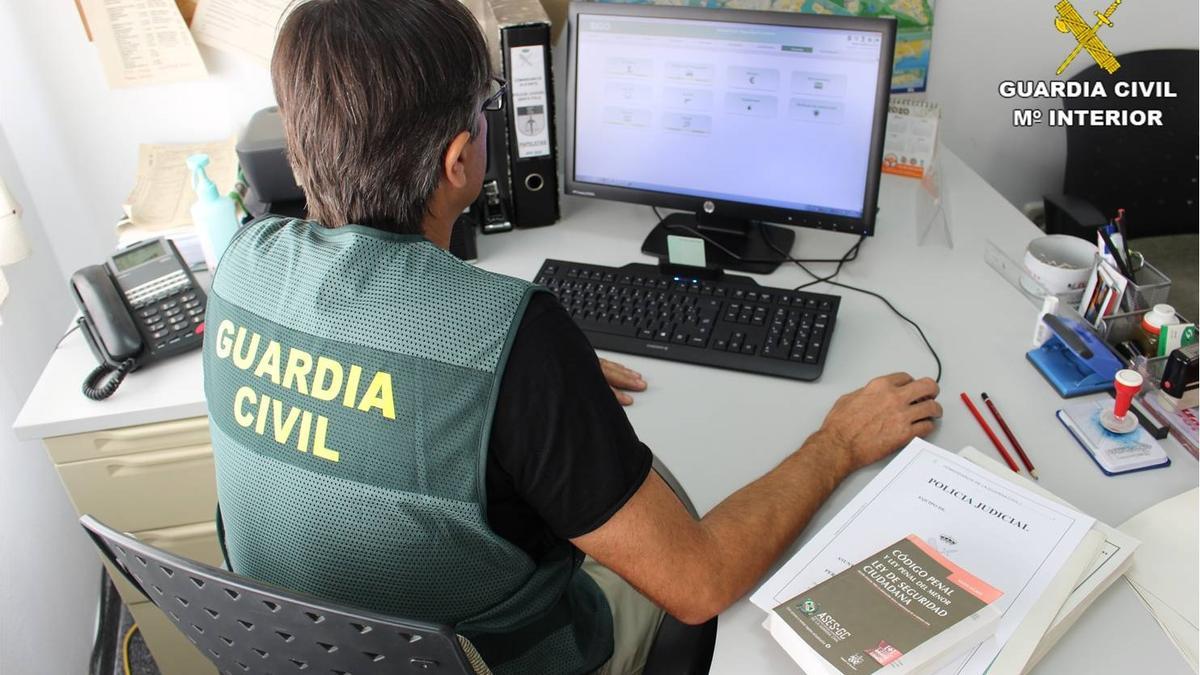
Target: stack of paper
[(161, 200), (1164, 569), (1101, 558), (1049, 560)]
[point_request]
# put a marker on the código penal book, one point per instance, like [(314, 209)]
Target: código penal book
[(904, 610)]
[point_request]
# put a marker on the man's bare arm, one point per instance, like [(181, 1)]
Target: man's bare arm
[(695, 569)]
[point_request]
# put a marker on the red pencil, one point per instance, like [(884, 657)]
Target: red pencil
[(1011, 438), (991, 434)]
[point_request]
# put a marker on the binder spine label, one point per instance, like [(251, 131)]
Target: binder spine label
[(528, 87)]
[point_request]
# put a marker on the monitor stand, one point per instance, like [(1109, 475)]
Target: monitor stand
[(742, 237)]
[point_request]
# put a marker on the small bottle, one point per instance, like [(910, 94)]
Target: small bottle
[(1152, 323), (213, 215)]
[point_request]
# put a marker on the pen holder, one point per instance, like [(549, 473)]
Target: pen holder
[(1148, 288), (1123, 327)]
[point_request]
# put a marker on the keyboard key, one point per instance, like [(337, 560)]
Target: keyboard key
[(767, 329)]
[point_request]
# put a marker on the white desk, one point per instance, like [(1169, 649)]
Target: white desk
[(718, 430)]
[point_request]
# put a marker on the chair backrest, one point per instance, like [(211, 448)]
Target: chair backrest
[(1150, 171), (246, 627)]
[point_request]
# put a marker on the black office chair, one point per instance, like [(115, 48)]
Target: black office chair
[(1149, 171), (244, 626)]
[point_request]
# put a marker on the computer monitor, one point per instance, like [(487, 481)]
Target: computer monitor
[(738, 118)]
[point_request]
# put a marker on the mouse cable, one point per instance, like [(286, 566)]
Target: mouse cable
[(853, 253), (817, 279)]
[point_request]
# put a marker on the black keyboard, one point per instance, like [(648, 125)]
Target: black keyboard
[(733, 323)]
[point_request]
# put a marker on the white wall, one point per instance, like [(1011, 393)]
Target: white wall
[(68, 151), (979, 43), (48, 585), (76, 140)]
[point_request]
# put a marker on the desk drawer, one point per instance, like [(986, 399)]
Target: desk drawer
[(173, 652), (195, 542), (147, 490), (128, 440)]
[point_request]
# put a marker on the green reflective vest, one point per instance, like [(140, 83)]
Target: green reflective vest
[(351, 377)]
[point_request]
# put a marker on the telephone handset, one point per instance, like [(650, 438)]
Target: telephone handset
[(141, 306)]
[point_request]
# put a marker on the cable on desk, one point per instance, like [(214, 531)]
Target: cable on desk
[(64, 335), (852, 253), (829, 280)]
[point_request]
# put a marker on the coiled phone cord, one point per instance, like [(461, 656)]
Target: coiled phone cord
[(104, 380)]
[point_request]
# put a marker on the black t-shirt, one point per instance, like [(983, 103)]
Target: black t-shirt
[(563, 457)]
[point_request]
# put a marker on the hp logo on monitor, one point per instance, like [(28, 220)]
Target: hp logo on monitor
[(709, 207)]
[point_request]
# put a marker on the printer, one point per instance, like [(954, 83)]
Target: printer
[(262, 153)]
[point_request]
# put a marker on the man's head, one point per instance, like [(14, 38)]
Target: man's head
[(380, 101)]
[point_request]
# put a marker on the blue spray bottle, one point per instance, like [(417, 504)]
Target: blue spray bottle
[(214, 214)]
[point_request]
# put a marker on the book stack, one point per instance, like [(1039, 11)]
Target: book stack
[(944, 563)]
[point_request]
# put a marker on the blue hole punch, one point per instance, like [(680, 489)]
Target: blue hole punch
[(1075, 361)]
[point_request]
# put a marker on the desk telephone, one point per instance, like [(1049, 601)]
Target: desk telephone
[(142, 305)]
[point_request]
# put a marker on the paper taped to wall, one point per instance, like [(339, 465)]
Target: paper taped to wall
[(246, 27), (142, 42)]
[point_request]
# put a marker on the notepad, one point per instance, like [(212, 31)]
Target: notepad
[(1113, 453)]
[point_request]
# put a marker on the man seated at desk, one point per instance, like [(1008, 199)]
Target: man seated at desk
[(399, 431)]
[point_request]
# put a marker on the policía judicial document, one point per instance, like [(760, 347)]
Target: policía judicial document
[(1009, 537)]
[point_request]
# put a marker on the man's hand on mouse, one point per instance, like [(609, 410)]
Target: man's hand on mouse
[(882, 417)]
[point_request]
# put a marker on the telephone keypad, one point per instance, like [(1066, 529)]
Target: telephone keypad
[(170, 312)]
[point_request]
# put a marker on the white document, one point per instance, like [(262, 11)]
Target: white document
[(1164, 569), (528, 89), (1108, 562), (1016, 656), (245, 27), (142, 42), (1009, 537), (162, 196)]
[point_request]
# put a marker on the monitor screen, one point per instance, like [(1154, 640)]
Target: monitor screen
[(762, 114)]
